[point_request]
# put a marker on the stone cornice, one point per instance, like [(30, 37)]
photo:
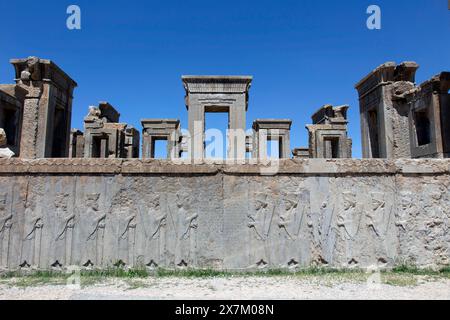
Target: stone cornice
[(217, 84), (85, 166)]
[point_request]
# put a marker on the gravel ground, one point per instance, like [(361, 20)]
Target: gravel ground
[(233, 288)]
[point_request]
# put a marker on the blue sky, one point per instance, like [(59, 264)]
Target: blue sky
[(302, 54)]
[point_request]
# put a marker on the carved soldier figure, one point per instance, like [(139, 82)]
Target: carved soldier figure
[(32, 240), (376, 214), (187, 222), (408, 210), (154, 221), (92, 231), (5, 229), (259, 222), (434, 229), (348, 220), (378, 217), (127, 235), (406, 220), (292, 214), (64, 223)]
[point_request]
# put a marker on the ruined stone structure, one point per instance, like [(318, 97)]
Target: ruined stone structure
[(99, 206), (328, 133), (161, 129), (104, 136), (271, 129), (41, 98), (400, 119)]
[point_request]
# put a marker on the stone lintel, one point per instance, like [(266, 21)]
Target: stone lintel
[(313, 127), (268, 124), (216, 84), (48, 71), (163, 124), (328, 113), (386, 73), (302, 152), (439, 83)]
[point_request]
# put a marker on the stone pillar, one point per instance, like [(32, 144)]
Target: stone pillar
[(76, 146), (132, 142), (47, 108), (384, 112), (217, 94)]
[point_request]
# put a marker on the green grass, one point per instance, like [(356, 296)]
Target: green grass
[(135, 278)]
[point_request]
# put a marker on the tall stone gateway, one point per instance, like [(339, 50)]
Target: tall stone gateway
[(47, 108), (217, 94)]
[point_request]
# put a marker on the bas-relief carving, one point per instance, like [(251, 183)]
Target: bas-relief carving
[(127, 234), (435, 223), (283, 228), (422, 223), (5, 230), (348, 226), (63, 227), (153, 215), (379, 217), (91, 235), (260, 216), (32, 236), (293, 209), (406, 215), (185, 215)]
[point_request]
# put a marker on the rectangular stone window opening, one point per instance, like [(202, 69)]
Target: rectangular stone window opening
[(159, 148), (331, 148), (100, 147), (372, 122), (10, 125), (274, 147), (423, 128), (59, 133), (217, 122)]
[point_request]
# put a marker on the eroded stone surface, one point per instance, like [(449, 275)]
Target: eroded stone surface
[(353, 213)]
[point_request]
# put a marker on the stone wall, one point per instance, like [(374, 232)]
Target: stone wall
[(337, 213)]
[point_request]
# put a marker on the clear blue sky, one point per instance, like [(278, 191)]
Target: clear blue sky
[(302, 54)]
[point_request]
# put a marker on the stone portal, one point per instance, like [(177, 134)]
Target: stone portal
[(217, 94)]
